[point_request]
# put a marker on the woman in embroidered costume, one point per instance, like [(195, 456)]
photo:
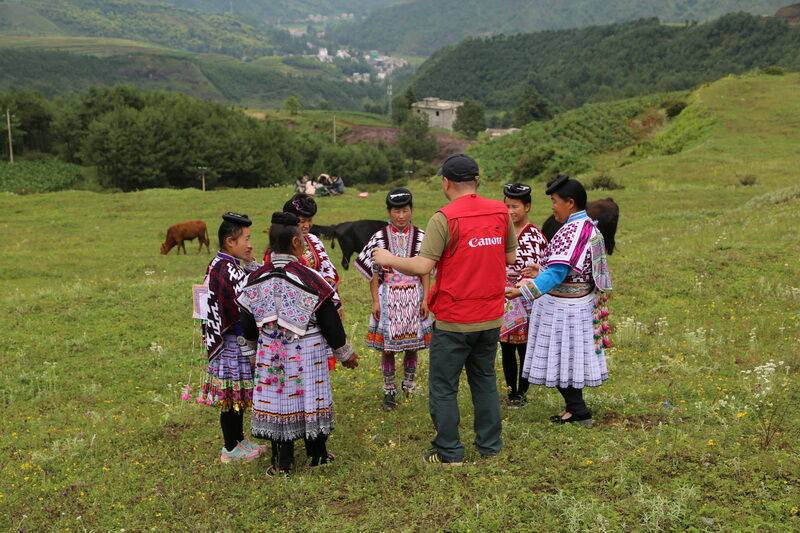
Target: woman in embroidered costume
[(569, 320), (314, 255), (229, 381), (400, 319), (514, 330), (289, 309)]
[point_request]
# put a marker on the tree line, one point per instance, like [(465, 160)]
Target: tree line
[(601, 63), (140, 140)]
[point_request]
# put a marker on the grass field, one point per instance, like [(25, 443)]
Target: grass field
[(695, 431)]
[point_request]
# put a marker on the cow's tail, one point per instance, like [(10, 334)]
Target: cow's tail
[(208, 241), (333, 236)]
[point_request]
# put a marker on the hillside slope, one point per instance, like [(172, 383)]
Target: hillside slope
[(732, 131), (419, 27), (156, 23), (40, 64), (570, 67)]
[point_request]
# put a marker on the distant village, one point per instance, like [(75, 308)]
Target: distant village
[(383, 66)]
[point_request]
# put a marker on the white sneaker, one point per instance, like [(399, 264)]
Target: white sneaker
[(239, 453)]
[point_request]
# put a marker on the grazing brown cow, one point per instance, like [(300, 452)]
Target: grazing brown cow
[(185, 231)]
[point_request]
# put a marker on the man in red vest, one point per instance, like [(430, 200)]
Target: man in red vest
[(469, 241)]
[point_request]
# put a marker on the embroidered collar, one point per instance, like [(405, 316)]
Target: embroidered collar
[(577, 216), (280, 260), (223, 255), (395, 229)]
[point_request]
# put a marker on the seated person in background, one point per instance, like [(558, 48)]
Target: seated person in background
[(300, 183), (310, 187), (323, 182), (337, 185)]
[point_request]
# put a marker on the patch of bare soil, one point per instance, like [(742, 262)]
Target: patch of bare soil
[(374, 134)]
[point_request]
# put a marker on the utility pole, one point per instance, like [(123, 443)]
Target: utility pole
[(10, 144), (334, 128), (390, 99), (203, 176)]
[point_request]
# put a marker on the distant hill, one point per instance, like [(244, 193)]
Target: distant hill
[(273, 11), (62, 66), (162, 24), (600, 63), (419, 27)]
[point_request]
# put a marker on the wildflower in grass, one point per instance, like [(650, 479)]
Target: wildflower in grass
[(710, 442), (741, 414)]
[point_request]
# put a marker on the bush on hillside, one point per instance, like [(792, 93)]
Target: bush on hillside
[(774, 70), (748, 180), (674, 108), (604, 182)]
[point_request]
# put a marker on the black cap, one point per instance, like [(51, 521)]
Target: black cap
[(516, 190), (301, 205), (459, 167), (556, 183), (398, 197), (236, 218)]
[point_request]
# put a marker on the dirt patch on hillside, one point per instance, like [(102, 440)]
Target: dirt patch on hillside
[(646, 124), (374, 134)]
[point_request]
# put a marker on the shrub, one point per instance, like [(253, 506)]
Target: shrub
[(774, 70), (674, 108), (748, 180), (605, 181)]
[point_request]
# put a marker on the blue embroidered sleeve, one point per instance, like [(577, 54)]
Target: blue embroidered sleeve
[(553, 276)]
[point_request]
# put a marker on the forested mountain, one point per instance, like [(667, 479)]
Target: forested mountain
[(419, 27), (56, 73), (162, 24), (571, 67), (273, 11)]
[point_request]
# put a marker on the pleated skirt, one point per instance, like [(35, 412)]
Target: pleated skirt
[(292, 397), (561, 348)]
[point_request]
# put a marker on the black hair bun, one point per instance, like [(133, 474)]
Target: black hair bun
[(286, 219), (301, 205), (556, 183), (516, 190), (236, 218)]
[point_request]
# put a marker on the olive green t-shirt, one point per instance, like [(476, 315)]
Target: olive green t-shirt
[(437, 237)]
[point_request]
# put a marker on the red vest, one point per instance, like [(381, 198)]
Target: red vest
[(470, 275)]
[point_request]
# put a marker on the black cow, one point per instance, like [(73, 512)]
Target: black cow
[(352, 236), (605, 212)]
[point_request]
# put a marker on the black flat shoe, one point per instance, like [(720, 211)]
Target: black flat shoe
[(583, 420)]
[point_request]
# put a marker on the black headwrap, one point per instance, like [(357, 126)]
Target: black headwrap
[(301, 205), (516, 190), (236, 218), (286, 219)]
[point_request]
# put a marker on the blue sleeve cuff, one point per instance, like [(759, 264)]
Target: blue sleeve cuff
[(545, 282)]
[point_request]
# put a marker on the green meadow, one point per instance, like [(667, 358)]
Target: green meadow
[(696, 430)]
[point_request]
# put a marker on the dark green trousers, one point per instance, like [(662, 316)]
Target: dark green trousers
[(450, 352)]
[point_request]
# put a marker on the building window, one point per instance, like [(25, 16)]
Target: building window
[(437, 113)]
